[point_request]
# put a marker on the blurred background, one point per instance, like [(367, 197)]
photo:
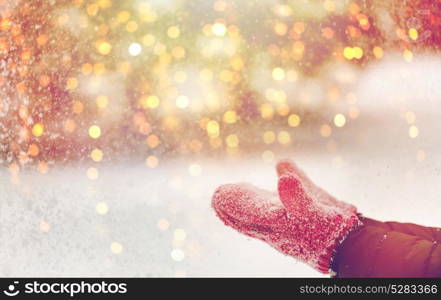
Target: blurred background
[(104, 80), (118, 119)]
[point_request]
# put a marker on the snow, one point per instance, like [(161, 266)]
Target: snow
[(49, 225), (78, 242)]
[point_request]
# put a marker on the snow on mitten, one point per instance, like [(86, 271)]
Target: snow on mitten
[(287, 166), (302, 221)]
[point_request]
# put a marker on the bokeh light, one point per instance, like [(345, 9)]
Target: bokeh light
[(135, 79)]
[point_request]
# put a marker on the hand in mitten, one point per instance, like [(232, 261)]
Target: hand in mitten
[(302, 221)]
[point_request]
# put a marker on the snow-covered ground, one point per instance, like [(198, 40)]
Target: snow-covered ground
[(49, 224)]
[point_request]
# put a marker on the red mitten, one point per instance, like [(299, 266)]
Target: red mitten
[(285, 167), (306, 223)]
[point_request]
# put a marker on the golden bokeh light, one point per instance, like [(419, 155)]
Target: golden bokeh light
[(219, 29), (182, 102), (213, 128), (413, 131), (102, 101), (268, 156), (101, 208), (173, 32), (232, 141), (339, 120), (97, 155), (92, 173), (38, 129), (294, 120), (284, 137), (269, 137), (104, 48), (116, 248), (230, 117), (278, 74), (152, 161), (94, 131), (325, 130)]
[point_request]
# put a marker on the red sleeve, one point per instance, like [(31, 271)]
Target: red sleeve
[(389, 249), (428, 233)]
